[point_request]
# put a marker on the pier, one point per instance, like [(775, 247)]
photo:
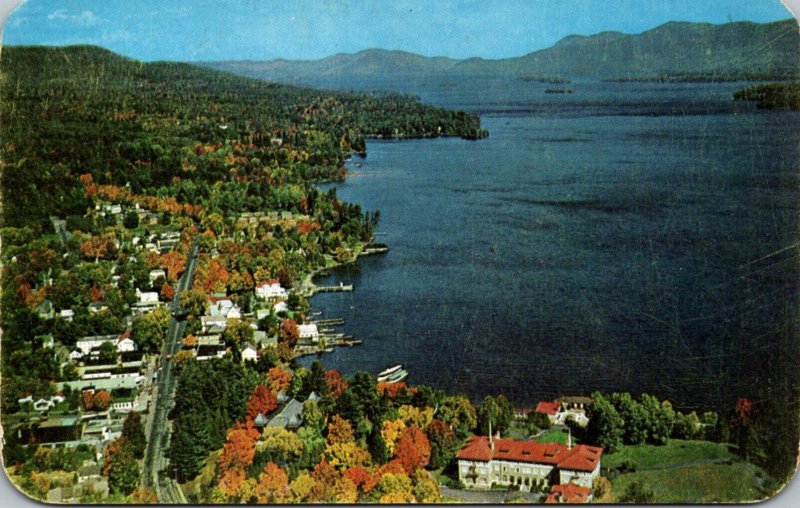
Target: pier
[(329, 322), (332, 289)]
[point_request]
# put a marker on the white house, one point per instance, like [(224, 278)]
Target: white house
[(483, 462), (249, 353), (308, 333), (280, 307), (66, 314), (270, 289), (227, 309), (155, 274), (86, 344), (125, 344), (147, 297)]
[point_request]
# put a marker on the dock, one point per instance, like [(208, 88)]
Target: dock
[(329, 322), (341, 288)]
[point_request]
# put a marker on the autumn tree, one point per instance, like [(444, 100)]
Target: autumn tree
[(121, 467), (280, 445), (279, 379), (289, 333), (413, 449), (336, 384), (273, 485), (174, 263), (443, 443), (102, 399), (262, 400)]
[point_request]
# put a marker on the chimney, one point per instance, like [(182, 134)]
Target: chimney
[(491, 442)]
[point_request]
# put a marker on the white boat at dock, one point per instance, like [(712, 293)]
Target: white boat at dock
[(384, 375)]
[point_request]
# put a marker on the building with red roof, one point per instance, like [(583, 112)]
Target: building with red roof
[(570, 494), (528, 464)]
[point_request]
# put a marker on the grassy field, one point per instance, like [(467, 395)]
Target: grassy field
[(706, 483), (676, 451), (687, 472), (553, 436)]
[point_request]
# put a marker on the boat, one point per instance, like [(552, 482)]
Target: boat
[(397, 376), (384, 375)]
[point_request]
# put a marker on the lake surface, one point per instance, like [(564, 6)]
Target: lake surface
[(626, 236)]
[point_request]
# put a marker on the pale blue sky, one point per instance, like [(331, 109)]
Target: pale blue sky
[(309, 29)]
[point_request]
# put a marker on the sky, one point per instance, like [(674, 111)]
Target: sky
[(195, 30)]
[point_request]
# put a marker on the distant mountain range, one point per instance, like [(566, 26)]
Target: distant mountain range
[(728, 51)]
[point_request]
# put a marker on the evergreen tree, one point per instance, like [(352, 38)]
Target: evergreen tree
[(133, 430)]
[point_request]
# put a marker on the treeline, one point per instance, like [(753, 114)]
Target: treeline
[(763, 432), (69, 110), (772, 95)]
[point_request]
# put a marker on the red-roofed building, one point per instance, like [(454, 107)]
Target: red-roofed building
[(527, 464), (548, 408), (570, 494)]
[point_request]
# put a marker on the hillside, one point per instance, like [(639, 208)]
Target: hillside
[(71, 110), (725, 51)]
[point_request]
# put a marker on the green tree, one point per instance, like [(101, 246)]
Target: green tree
[(661, 418), (123, 469), (194, 302), (606, 427), (133, 431), (108, 353), (636, 418), (497, 411), (150, 329)]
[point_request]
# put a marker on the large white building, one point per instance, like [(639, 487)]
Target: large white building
[(308, 333), (483, 462), (270, 290)]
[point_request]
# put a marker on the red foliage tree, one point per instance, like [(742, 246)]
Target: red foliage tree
[(87, 397), (102, 399), (336, 384), (167, 292), (175, 263), (391, 390), (289, 333), (358, 475), (239, 449), (261, 401), (413, 450)]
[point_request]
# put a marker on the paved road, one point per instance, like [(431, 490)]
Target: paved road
[(159, 429)]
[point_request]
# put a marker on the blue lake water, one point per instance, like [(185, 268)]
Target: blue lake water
[(637, 237)]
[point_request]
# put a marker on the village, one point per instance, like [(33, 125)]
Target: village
[(107, 377)]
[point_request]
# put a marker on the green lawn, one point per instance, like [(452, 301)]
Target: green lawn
[(553, 436), (676, 473), (704, 483), (676, 451)]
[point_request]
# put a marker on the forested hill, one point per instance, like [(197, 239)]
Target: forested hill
[(72, 110), (727, 51)]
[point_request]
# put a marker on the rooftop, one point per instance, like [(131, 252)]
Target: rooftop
[(578, 458)]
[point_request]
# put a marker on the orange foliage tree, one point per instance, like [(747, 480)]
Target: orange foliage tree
[(391, 390), (273, 485), (413, 450), (102, 399), (279, 379), (336, 384)]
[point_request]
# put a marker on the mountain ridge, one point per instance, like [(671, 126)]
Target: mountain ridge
[(676, 47)]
